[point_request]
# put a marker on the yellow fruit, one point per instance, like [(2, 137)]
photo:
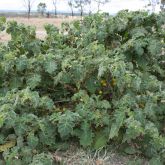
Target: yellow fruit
[(104, 84), (113, 82), (103, 81), (100, 92)]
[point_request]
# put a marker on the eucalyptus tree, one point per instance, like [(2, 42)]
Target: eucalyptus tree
[(55, 6), (162, 5), (80, 5), (153, 4), (28, 4), (41, 8), (101, 2), (71, 4)]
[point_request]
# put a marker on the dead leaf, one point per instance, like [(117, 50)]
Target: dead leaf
[(7, 145), (57, 158)]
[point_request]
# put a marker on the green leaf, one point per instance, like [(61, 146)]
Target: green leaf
[(67, 121), (114, 130), (134, 129), (21, 63), (102, 69), (119, 118), (136, 161), (86, 136), (34, 80), (50, 66), (42, 159), (130, 150), (2, 23), (29, 97), (32, 140), (47, 103), (105, 104), (155, 161), (154, 47), (92, 85), (139, 50), (100, 139), (15, 82)]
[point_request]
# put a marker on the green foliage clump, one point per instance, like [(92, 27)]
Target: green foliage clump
[(99, 81)]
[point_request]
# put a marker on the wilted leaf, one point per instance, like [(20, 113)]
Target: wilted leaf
[(7, 146)]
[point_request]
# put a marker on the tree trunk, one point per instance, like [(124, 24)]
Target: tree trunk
[(55, 7), (81, 12), (29, 11), (98, 7), (72, 12), (55, 11), (90, 11)]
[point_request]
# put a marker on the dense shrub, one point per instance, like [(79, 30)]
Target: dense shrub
[(99, 81)]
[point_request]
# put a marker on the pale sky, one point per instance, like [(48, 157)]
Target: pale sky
[(112, 7)]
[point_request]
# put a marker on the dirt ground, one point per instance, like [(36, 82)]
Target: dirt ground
[(38, 23)]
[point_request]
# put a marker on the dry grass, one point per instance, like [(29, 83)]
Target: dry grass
[(78, 156), (38, 23), (4, 37)]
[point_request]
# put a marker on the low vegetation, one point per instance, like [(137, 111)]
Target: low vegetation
[(94, 82)]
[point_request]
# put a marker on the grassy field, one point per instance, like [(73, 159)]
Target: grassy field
[(38, 23)]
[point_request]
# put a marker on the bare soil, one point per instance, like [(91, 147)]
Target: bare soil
[(38, 23)]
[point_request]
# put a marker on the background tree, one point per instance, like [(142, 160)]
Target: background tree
[(55, 6), (28, 4), (80, 4), (90, 7), (153, 4), (41, 8), (162, 5), (100, 2), (71, 5)]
